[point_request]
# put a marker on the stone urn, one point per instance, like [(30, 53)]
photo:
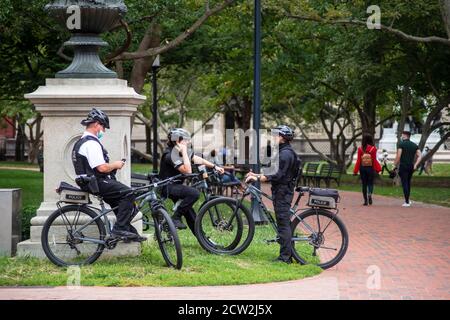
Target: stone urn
[(86, 20)]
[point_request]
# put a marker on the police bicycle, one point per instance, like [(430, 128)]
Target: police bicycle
[(77, 232), (219, 218), (319, 236)]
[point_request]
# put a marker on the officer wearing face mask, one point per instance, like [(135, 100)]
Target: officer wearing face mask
[(91, 162)]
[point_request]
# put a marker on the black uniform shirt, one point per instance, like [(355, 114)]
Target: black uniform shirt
[(286, 166), (170, 162)]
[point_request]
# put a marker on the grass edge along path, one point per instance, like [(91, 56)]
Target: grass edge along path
[(199, 267)]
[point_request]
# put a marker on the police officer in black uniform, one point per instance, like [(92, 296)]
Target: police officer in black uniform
[(96, 174), (283, 184), (176, 159)]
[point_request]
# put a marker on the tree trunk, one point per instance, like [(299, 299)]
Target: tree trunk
[(34, 139), (20, 142), (368, 119), (445, 10), (405, 109), (142, 66)]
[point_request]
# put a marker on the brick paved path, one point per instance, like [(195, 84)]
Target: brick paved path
[(394, 253)]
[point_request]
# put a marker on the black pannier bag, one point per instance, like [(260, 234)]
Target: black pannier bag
[(324, 198), (88, 184), (71, 194)]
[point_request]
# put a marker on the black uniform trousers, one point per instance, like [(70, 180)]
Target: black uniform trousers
[(118, 195), (189, 196), (282, 197)]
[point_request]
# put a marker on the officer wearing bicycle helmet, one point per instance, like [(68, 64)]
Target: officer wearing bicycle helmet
[(176, 159), (283, 184), (96, 174)]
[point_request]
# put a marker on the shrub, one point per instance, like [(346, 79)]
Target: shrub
[(28, 212)]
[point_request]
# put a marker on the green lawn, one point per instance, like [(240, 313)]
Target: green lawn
[(439, 170), (141, 167), (18, 164), (29, 181), (199, 268)]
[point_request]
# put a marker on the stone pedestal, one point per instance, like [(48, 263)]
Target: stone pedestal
[(63, 103), (10, 228)]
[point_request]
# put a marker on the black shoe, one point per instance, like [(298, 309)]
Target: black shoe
[(123, 235), (138, 238), (178, 223), (370, 200), (279, 259), (365, 203)]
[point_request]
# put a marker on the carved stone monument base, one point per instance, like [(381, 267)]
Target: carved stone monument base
[(63, 103)]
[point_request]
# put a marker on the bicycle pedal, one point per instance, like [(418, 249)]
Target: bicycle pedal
[(271, 241)]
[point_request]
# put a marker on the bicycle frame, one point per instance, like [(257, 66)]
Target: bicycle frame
[(149, 197), (102, 214), (257, 195)]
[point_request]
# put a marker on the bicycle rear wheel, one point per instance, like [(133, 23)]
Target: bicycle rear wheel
[(319, 238), (224, 226), (65, 244), (168, 240)]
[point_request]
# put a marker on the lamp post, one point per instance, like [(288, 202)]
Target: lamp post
[(256, 209), (155, 68)]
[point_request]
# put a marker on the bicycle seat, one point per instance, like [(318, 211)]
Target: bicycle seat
[(68, 187), (302, 189)]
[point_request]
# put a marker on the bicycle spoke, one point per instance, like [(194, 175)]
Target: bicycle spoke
[(325, 245), (66, 246)]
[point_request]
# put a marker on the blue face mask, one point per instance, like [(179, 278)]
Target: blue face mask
[(100, 134)]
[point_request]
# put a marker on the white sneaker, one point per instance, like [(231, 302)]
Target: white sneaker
[(406, 204)]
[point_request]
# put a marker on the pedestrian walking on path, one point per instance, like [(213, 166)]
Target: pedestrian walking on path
[(404, 161), (367, 165)]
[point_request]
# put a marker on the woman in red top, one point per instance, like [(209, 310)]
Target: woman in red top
[(367, 164)]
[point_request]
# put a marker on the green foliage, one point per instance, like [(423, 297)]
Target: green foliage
[(28, 212), (304, 63)]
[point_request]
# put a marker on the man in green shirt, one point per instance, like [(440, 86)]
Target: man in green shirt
[(407, 151)]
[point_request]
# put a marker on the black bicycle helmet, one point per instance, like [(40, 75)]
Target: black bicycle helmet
[(96, 115), (176, 133), (285, 132)]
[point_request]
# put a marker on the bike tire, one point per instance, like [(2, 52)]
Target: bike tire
[(49, 222), (234, 248), (341, 226), (164, 224)]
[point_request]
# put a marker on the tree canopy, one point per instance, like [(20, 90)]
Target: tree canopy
[(321, 64)]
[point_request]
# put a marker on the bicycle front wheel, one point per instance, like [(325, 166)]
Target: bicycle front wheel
[(224, 226), (168, 240), (319, 237), (71, 236)]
